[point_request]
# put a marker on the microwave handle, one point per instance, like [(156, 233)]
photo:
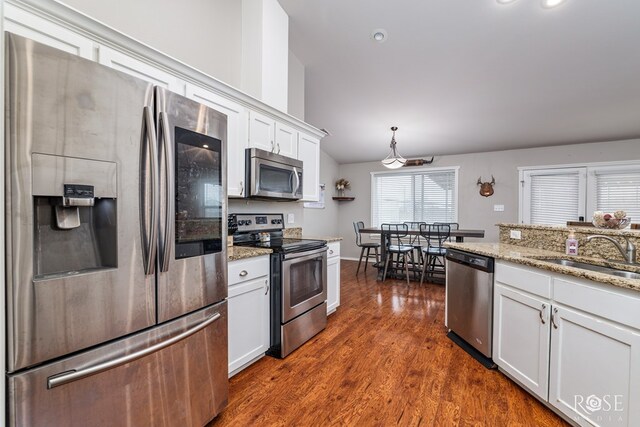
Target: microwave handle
[(295, 173)]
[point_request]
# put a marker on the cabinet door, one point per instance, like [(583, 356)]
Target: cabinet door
[(237, 131), (521, 338), (23, 23), (595, 370), (333, 284), (309, 153), (261, 131), (140, 69), (286, 140), (248, 322)]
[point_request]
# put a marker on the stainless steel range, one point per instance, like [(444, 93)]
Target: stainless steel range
[(298, 279)]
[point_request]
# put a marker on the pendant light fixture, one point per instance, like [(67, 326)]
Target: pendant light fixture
[(394, 160)]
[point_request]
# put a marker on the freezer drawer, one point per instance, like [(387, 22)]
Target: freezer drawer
[(184, 383)]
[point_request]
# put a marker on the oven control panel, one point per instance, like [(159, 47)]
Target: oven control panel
[(258, 222)]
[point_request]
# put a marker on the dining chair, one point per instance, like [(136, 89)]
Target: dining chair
[(395, 245), (435, 235), (357, 226), (415, 240), (452, 225)]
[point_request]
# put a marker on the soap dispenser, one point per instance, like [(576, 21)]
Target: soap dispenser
[(572, 244)]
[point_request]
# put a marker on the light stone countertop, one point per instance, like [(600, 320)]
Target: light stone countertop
[(327, 239), (536, 258), (235, 253)]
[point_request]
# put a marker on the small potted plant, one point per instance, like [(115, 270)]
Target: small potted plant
[(341, 185)]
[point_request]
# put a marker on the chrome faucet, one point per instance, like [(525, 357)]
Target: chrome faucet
[(629, 253)]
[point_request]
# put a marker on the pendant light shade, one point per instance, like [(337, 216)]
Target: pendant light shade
[(394, 160)]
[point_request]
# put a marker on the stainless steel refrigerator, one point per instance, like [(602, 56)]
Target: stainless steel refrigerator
[(116, 247)]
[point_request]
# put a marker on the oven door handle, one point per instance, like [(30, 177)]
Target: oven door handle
[(306, 255)]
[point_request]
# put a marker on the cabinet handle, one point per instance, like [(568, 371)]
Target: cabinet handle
[(553, 318), (331, 252), (241, 188), (278, 148), (273, 147), (544, 307), (266, 284), (243, 273)]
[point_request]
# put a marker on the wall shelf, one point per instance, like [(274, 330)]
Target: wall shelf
[(344, 199)]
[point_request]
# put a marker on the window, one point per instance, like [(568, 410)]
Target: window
[(425, 195), (557, 195)]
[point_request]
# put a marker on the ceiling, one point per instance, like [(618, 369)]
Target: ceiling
[(460, 76)]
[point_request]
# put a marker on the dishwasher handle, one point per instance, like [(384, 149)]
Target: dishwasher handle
[(471, 260)]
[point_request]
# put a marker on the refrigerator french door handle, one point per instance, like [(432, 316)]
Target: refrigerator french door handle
[(152, 143), (170, 196), (74, 375)]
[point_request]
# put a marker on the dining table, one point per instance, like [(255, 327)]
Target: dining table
[(459, 235)]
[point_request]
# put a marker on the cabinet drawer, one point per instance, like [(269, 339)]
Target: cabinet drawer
[(615, 304), (248, 269), (334, 250), (524, 279)]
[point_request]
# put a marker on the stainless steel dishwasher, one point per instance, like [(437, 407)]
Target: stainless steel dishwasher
[(469, 302)]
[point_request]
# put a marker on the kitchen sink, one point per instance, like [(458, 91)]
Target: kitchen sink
[(593, 267)]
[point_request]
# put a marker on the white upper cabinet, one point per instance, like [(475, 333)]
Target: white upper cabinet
[(25, 24), (262, 130), (237, 135), (286, 140), (309, 153), (140, 69)]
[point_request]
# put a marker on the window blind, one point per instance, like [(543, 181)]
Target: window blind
[(617, 190), (428, 196), (554, 198)]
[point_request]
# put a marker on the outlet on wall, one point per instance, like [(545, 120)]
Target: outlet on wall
[(291, 218), (516, 234), (498, 208)]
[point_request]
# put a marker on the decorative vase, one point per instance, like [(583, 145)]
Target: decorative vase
[(340, 193)]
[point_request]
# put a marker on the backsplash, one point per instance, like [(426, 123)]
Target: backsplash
[(553, 238), (261, 206)]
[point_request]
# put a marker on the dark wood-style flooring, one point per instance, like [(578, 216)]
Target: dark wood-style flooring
[(383, 360)]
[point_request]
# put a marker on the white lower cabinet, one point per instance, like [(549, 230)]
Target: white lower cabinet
[(248, 305), (595, 370), (333, 277), (521, 343), (579, 350)]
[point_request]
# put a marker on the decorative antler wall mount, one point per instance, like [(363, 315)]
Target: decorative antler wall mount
[(486, 188), (419, 162)]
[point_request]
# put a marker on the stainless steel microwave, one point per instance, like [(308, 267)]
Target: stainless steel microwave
[(272, 176)]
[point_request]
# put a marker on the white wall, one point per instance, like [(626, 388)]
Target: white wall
[(475, 211), (206, 34), (296, 87), (324, 222)]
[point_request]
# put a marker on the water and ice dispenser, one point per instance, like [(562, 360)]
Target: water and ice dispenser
[(75, 215)]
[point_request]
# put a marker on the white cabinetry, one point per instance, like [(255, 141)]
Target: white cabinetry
[(43, 31), (237, 135), (138, 68), (333, 277), (249, 290), (521, 343), (286, 140), (309, 153), (262, 130), (583, 336)]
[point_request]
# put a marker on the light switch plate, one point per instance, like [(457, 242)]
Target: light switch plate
[(291, 218), (498, 208), (516, 234)]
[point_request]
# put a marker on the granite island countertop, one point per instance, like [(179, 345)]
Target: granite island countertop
[(235, 253), (325, 238), (536, 258)]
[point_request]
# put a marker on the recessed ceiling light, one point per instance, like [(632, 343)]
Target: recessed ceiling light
[(505, 1), (551, 3), (379, 35)]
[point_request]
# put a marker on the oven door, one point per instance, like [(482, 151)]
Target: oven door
[(304, 282), (275, 180)]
